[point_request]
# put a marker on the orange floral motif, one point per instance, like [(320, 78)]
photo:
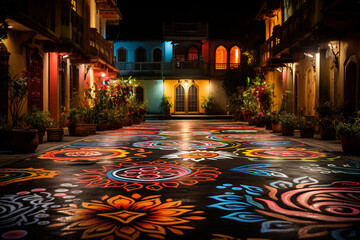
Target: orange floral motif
[(153, 175), (127, 217)]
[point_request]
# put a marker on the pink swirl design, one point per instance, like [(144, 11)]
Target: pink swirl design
[(330, 204)]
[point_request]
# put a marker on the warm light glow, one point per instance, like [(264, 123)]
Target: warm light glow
[(221, 58), (235, 57), (103, 74), (308, 55)]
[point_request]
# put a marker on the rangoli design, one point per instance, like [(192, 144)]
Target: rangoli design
[(181, 144), (285, 153), (12, 175), (200, 155), (319, 210), (127, 217), (151, 175), (245, 137), (87, 153)]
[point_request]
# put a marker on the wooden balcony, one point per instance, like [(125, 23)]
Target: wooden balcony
[(160, 69), (296, 28), (101, 48), (185, 31)]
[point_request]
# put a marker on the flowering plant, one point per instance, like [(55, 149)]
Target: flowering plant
[(275, 117), (288, 120)]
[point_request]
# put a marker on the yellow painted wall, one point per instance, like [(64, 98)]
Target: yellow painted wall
[(203, 88)]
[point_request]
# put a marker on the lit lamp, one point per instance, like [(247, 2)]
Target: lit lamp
[(333, 47)]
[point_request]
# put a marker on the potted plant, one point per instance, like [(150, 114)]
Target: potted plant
[(306, 128), (288, 124), (275, 122), (166, 106), (39, 120), (23, 139), (207, 104), (55, 132), (260, 119), (349, 133), (326, 121), (267, 121)]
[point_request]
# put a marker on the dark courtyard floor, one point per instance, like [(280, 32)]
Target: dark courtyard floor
[(182, 180)]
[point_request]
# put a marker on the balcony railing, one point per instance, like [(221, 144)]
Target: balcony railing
[(101, 48), (295, 28), (161, 68), (266, 51)]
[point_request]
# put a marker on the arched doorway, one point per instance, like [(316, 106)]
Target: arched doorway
[(186, 98), (180, 99), (351, 87)]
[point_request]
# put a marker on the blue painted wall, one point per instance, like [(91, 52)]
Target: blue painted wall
[(154, 91), (149, 46)]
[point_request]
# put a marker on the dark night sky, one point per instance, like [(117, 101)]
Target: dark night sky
[(228, 20)]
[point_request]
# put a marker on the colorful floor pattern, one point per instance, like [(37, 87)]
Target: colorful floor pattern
[(182, 179)]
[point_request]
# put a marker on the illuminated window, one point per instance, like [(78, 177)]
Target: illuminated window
[(180, 99), (179, 53), (193, 99), (235, 57), (121, 55), (220, 58), (193, 54)]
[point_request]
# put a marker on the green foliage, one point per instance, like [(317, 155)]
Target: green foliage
[(350, 128), (165, 103), (18, 89), (37, 119), (288, 120), (208, 102)]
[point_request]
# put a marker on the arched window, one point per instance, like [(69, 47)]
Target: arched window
[(157, 55), (235, 57), (139, 94), (220, 58), (193, 99), (121, 55), (180, 99), (179, 52), (193, 54), (140, 54)]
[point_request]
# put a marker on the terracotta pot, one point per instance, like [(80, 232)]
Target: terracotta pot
[(55, 134), (287, 131), (24, 140), (307, 132), (327, 133), (350, 144), (81, 130), (276, 127), (91, 128)]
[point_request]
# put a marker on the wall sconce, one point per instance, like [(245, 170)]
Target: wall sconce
[(311, 60), (333, 47)]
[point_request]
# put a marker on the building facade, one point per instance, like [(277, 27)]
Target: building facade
[(311, 50), (63, 47), (185, 65)]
